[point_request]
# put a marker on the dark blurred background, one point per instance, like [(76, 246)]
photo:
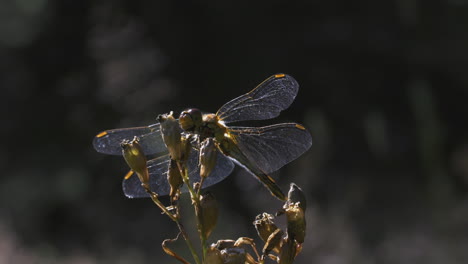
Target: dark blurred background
[(383, 93)]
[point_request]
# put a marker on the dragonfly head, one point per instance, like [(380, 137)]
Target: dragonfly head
[(190, 119)]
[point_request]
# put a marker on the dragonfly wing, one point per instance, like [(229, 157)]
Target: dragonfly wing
[(222, 169), (272, 147), (158, 167), (265, 101), (150, 139)]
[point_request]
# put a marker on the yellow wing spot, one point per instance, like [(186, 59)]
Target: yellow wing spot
[(103, 133), (300, 127), (279, 75), (128, 175)]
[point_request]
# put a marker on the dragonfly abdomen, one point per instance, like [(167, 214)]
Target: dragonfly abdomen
[(228, 147)]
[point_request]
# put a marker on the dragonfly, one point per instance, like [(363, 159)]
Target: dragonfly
[(260, 150)]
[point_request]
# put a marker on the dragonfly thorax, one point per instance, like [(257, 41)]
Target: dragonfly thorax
[(211, 127), (204, 125)]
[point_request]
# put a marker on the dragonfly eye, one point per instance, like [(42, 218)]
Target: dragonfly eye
[(190, 119)]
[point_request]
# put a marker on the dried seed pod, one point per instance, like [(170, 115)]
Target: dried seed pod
[(296, 195), (213, 255), (208, 156), (225, 243), (247, 241), (288, 252), (185, 147), (208, 213), (175, 180), (171, 133), (273, 242), (136, 159), (234, 255), (264, 225), (296, 222)]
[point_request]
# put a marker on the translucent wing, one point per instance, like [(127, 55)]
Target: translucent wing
[(158, 167), (265, 101), (272, 147), (158, 179), (150, 139)]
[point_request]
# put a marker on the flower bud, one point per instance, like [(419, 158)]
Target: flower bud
[(175, 180), (208, 213), (136, 159), (208, 156), (171, 133)]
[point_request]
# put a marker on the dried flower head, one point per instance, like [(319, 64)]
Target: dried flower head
[(208, 156), (213, 255), (273, 242), (175, 180), (264, 225), (294, 208), (136, 159), (296, 222), (171, 133)]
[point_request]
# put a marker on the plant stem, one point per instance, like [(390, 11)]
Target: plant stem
[(204, 247), (188, 242), (161, 206), (155, 199), (195, 197)]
